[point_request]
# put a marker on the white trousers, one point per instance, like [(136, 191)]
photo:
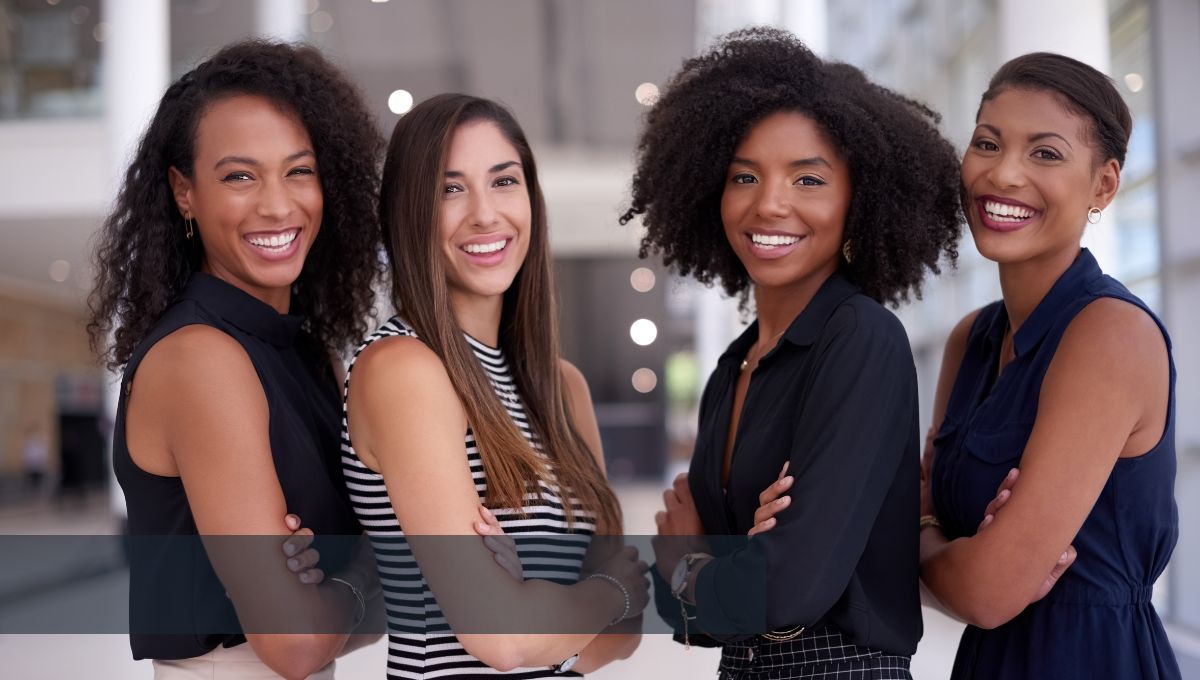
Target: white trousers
[(233, 663)]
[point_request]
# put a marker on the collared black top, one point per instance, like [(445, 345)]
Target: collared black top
[(837, 397), (177, 607)]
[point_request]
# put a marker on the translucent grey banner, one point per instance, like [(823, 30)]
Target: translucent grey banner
[(229, 585)]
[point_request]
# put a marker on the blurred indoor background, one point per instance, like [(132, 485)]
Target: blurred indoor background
[(79, 78)]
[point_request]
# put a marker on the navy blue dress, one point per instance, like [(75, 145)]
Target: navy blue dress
[(1098, 620)]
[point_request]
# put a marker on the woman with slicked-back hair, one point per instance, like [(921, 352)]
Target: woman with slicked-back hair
[(1062, 393), (237, 263), (462, 419)]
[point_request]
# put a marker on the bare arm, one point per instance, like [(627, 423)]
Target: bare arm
[(408, 423), (1103, 396), (621, 640), (197, 400)]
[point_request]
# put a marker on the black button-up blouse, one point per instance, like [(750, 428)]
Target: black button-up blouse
[(837, 397)]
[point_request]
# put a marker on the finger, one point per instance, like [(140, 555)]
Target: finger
[(660, 519), (671, 499), (292, 522), (512, 567), (502, 548), (998, 502), (312, 576), (762, 526), (987, 519), (769, 510), (1060, 567), (298, 542), (777, 489), (303, 561), (1009, 481), (490, 518), (682, 490), (783, 470)]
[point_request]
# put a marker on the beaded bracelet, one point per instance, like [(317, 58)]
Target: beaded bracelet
[(624, 593)]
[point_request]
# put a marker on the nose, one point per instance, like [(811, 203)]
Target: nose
[(1007, 171), (483, 213), (274, 202), (771, 201)]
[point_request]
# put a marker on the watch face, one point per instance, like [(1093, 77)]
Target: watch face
[(679, 577), (567, 665)]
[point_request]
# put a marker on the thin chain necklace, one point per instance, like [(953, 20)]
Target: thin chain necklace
[(770, 343)]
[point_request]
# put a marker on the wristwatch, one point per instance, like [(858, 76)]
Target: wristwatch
[(683, 570), (566, 664)]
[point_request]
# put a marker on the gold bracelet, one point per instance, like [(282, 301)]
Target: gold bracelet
[(783, 635), (929, 521)]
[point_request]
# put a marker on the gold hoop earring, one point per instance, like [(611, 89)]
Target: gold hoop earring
[(847, 252), (1094, 215), (189, 224)]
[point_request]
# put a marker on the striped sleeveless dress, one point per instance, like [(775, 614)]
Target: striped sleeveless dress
[(420, 642)]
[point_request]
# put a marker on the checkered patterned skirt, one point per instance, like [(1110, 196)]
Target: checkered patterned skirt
[(819, 653)]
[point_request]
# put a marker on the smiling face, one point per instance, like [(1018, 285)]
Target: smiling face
[(484, 224), (785, 201), (1030, 176), (254, 194)]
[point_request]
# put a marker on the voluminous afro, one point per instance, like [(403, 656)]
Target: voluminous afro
[(904, 212), (144, 258)]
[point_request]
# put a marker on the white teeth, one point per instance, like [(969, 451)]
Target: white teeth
[(485, 248), (275, 241), (1005, 212), (770, 242)]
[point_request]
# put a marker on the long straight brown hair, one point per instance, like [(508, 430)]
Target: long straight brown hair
[(410, 209)]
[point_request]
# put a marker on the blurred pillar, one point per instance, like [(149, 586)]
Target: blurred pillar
[(284, 20), (1176, 58), (135, 67), (1077, 29)]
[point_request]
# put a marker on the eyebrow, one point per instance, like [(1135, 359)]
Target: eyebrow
[(799, 163), (499, 167), (246, 160), (1038, 136)]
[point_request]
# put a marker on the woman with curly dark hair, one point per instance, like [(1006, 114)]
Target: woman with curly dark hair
[(238, 261), (821, 195)]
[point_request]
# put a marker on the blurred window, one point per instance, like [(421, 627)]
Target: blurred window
[(50, 58)]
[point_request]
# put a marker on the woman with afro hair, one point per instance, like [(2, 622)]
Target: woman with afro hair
[(799, 185), (237, 262)]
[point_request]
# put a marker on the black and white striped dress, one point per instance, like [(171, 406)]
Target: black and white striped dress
[(420, 643)]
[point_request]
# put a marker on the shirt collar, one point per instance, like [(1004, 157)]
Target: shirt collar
[(807, 325), (242, 309), (1068, 287)]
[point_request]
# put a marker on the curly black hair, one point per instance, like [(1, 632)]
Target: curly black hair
[(905, 210), (143, 258)]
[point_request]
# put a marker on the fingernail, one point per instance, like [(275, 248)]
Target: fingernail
[(1011, 473), (1062, 559), (1004, 494), (787, 481), (289, 549), (781, 501), (293, 563), (304, 578), (487, 513)]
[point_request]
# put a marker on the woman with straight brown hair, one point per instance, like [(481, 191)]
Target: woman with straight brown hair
[(472, 359)]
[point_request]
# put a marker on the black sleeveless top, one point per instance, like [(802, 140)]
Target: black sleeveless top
[(178, 608)]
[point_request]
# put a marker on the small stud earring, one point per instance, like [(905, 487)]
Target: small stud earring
[(1094, 215)]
